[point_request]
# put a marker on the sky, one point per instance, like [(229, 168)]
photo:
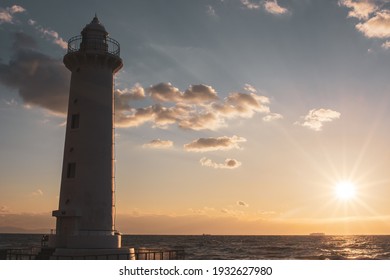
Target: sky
[(232, 116)]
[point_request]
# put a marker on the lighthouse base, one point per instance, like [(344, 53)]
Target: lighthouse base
[(86, 240), (94, 254), (94, 241)]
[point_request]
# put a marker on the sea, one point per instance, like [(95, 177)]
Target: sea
[(227, 247)]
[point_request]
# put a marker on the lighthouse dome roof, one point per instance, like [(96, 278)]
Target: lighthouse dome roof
[(94, 27)]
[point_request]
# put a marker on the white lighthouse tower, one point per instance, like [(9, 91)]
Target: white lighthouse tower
[(86, 214)]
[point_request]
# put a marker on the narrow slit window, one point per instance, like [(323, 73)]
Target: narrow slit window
[(75, 121), (71, 172)]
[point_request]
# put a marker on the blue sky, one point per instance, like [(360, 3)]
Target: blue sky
[(233, 116)]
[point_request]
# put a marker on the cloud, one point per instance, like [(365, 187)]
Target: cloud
[(214, 144), (195, 94), (43, 81), (199, 94), (159, 144), (166, 116), (203, 211), (16, 9), (242, 203), (134, 117), (236, 105), (386, 45), (248, 4), (267, 214), (211, 11), (125, 96), (23, 41), (376, 27), (360, 9), (197, 108), (272, 117), (374, 16), (38, 192), (50, 34), (164, 92), (316, 117), (184, 112), (202, 121), (7, 14), (4, 209), (159, 115), (250, 88), (39, 79), (272, 6), (228, 164), (11, 102), (242, 105)]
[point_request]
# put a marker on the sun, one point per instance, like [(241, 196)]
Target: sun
[(345, 190)]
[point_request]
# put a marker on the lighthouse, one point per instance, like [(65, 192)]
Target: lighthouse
[(85, 219)]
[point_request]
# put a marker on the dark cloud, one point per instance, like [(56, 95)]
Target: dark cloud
[(164, 92), (125, 96), (214, 144), (44, 82), (134, 117), (39, 79), (242, 105), (23, 41), (242, 203), (228, 164), (49, 34), (195, 94), (197, 108), (159, 144), (201, 121), (199, 94), (159, 115), (231, 163)]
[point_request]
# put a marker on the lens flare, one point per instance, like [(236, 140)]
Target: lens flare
[(345, 190)]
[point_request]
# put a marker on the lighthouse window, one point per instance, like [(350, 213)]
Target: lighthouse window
[(71, 172), (75, 121)]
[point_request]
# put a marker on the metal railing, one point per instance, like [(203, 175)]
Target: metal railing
[(97, 44), (158, 254), (137, 255), (19, 253), (36, 253)]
